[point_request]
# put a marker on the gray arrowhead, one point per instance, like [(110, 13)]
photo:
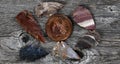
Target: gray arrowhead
[(64, 51)]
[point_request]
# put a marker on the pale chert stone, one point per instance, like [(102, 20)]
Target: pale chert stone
[(48, 8), (63, 51)]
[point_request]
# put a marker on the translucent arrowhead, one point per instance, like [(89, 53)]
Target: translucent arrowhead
[(64, 51)]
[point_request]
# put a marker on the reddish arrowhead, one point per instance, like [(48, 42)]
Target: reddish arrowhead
[(26, 20), (83, 18)]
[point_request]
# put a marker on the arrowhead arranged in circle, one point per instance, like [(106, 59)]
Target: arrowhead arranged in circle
[(83, 17), (64, 51)]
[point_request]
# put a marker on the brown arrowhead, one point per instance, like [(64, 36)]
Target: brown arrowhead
[(58, 27), (26, 20), (83, 18)]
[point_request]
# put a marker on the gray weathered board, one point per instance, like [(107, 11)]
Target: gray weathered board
[(106, 14)]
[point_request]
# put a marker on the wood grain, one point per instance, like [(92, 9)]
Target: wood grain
[(106, 14)]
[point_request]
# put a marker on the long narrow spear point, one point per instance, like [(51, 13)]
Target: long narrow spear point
[(29, 24)]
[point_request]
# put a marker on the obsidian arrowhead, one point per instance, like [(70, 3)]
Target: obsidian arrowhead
[(86, 42), (32, 53)]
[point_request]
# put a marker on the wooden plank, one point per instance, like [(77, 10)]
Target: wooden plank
[(101, 2), (112, 59), (104, 50), (106, 14)]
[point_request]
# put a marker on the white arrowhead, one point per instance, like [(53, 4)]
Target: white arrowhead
[(64, 51)]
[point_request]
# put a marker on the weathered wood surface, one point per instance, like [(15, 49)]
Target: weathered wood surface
[(107, 17)]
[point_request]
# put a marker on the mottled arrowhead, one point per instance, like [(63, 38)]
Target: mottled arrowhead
[(83, 17), (64, 51), (29, 24), (47, 8)]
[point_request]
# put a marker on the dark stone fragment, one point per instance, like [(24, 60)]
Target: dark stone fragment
[(80, 53), (91, 41), (32, 53), (25, 38), (86, 42), (82, 44)]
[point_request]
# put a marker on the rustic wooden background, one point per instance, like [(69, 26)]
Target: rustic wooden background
[(106, 14)]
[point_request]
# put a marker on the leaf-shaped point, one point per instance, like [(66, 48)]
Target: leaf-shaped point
[(58, 27), (48, 8), (83, 17), (64, 51), (32, 52), (86, 42), (26, 20)]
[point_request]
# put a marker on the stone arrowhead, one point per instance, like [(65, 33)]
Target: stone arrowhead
[(64, 51), (83, 18)]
